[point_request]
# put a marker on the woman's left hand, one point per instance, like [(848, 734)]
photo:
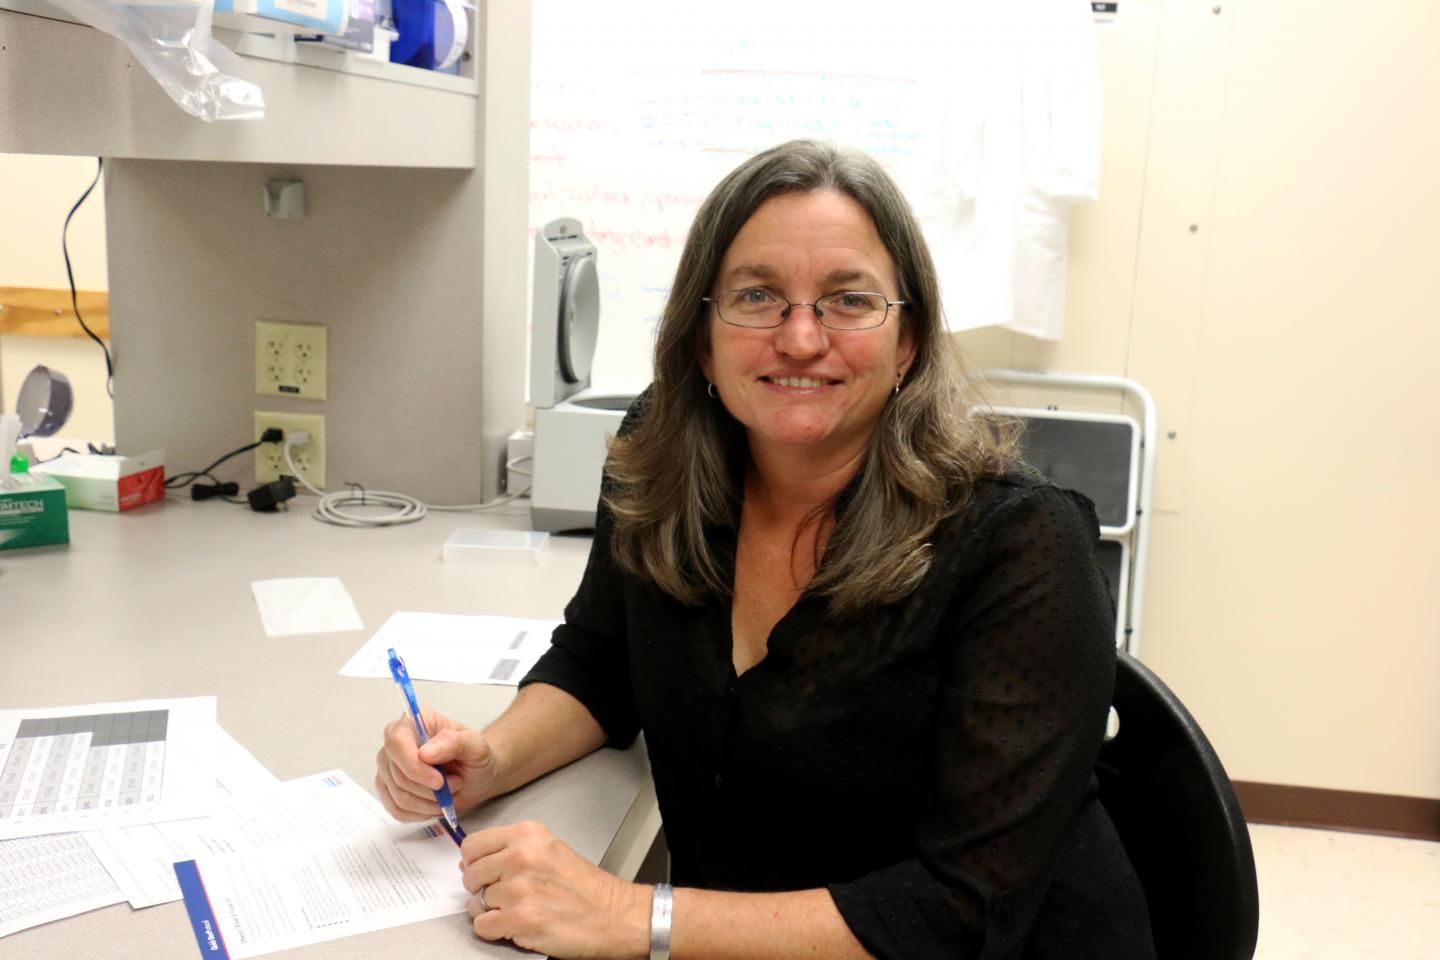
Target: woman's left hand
[(544, 896)]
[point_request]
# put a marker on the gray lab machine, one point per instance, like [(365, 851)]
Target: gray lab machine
[(572, 425)]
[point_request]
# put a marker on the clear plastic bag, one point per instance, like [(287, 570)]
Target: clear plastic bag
[(172, 40)]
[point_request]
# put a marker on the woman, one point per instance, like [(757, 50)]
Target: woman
[(871, 653)]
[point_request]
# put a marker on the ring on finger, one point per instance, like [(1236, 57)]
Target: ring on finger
[(480, 895)]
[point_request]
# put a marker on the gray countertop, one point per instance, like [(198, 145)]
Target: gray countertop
[(156, 603)]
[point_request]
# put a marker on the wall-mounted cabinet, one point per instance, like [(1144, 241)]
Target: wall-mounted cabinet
[(72, 90)]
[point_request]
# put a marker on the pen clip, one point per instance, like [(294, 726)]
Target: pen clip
[(397, 668), (402, 677)]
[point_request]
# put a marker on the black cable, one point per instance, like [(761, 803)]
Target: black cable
[(63, 451), (70, 275), (182, 480), (218, 490)]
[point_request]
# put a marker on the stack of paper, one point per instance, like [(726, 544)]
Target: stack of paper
[(150, 801), (89, 768)]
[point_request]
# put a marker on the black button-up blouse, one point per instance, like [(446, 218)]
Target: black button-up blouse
[(930, 764)]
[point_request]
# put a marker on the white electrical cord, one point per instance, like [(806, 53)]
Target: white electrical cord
[(407, 509)]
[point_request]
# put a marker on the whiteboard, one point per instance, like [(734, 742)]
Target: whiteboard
[(639, 108)]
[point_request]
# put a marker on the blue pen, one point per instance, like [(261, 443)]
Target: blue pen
[(442, 796)]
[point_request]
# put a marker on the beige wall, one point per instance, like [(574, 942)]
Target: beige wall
[(1290, 341), (35, 195)]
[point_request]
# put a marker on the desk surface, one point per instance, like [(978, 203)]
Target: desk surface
[(156, 602)]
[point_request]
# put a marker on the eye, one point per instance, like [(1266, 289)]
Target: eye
[(751, 299), (853, 301)]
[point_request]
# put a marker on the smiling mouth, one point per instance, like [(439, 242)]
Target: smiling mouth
[(798, 381)]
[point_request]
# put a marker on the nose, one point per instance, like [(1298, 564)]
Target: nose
[(801, 335)]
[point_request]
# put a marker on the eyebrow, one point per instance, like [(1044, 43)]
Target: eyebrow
[(767, 274)]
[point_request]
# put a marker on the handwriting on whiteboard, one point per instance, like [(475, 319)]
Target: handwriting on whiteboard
[(640, 108)]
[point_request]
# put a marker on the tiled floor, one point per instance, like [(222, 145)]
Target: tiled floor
[(1334, 895)]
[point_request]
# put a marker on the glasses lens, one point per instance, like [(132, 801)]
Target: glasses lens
[(751, 307), (852, 311)]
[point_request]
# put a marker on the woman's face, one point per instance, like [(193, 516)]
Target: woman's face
[(802, 387)]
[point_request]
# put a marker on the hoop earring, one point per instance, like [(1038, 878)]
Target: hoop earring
[(710, 389)]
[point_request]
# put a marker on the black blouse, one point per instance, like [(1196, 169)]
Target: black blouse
[(929, 764)]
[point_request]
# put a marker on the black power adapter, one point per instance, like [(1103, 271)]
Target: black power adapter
[(269, 497)]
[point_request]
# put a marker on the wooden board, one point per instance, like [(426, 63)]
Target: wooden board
[(38, 312)]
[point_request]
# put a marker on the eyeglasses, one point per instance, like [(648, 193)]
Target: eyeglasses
[(760, 308)]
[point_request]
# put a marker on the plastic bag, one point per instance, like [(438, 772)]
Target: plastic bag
[(172, 40)]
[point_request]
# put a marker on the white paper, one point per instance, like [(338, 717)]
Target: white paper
[(105, 765), (305, 605), (49, 878), (140, 859), (455, 648), (323, 806), (277, 899)]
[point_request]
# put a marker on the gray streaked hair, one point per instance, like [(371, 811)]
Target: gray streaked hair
[(680, 468)]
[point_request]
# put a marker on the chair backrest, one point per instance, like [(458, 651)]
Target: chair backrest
[(1180, 821), (1097, 454)]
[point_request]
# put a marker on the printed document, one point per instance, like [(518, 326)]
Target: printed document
[(249, 904), (455, 648), (105, 765), (49, 878), (252, 816)]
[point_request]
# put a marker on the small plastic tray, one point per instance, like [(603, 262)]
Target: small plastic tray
[(491, 546)]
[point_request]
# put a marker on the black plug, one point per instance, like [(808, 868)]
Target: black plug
[(272, 435), (268, 497), (204, 491)]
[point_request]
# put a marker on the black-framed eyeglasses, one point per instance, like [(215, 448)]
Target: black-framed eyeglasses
[(760, 308)]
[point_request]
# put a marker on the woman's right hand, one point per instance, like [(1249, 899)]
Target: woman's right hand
[(406, 778)]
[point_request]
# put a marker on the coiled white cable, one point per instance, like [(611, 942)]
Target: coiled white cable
[(406, 509)]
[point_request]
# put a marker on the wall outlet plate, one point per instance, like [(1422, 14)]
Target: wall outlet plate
[(309, 459), (290, 360)]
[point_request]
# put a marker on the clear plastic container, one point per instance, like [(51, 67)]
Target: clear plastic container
[(496, 546)]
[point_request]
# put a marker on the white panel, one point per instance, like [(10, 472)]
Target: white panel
[(1177, 230), (1295, 604)]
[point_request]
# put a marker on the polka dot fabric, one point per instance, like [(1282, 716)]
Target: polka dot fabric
[(931, 764)]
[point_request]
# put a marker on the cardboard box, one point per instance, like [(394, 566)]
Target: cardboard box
[(283, 16), (94, 482), (32, 511)]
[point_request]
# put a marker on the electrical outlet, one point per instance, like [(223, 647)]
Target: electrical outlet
[(290, 360), (309, 459)]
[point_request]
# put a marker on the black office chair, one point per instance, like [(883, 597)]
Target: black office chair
[(1181, 824)]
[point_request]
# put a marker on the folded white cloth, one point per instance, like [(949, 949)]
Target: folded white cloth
[(1009, 140)]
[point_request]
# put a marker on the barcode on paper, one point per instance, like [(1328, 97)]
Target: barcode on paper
[(504, 670)]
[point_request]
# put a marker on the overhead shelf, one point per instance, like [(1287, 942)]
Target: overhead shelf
[(74, 91)]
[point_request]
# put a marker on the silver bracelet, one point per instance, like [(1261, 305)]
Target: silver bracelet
[(662, 905)]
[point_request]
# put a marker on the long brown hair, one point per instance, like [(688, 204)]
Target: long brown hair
[(680, 468)]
